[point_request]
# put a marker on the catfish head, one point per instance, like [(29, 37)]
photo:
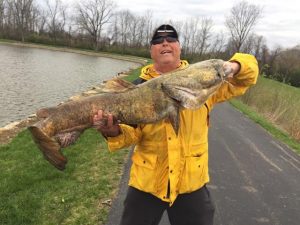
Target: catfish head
[(192, 86)]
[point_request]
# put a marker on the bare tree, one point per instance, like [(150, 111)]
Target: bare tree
[(130, 30), (268, 60), (124, 19), (217, 47), (242, 19), (141, 31), (1, 16), (287, 62), (188, 35), (258, 43), (148, 27), (8, 20), (22, 13), (113, 30), (92, 16), (204, 35), (196, 35), (41, 21), (253, 45), (56, 18)]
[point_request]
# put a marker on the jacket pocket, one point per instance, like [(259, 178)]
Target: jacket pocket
[(144, 160), (197, 150), (194, 173), (143, 171)]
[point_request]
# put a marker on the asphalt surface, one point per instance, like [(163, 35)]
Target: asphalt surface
[(255, 179)]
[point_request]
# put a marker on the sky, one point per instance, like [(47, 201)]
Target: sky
[(280, 24)]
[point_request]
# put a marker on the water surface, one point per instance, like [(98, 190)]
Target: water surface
[(33, 78)]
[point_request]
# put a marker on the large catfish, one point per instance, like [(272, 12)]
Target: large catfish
[(152, 101)]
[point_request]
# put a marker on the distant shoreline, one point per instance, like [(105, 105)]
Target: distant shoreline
[(134, 59)]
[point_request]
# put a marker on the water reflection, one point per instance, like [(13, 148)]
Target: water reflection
[(34, 78)]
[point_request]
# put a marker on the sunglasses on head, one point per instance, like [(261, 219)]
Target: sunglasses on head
[(161, 39)]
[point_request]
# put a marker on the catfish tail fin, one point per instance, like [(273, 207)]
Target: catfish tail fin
[(49, 147)]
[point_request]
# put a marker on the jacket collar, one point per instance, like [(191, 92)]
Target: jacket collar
[(148, 72)]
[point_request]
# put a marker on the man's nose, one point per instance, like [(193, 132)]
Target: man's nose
[(165, 42)]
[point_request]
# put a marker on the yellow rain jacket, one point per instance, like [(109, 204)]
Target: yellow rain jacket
[(166, 165)]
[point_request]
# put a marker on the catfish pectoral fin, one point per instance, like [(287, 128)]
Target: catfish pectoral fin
[(49, 147), (174, 119), (67, 139)]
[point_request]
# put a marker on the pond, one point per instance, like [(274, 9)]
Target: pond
[(32, 78)]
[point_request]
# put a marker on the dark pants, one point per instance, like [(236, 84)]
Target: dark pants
[(142, 208)]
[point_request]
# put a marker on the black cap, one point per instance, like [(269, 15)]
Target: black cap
[(164, 30)]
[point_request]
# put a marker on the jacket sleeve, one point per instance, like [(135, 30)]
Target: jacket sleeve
[(129, 136), (239, 83)]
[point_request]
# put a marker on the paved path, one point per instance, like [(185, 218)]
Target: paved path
[(255, 180)]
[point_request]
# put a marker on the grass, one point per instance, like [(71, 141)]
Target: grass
[(33, 192), (7, 41), (133, 75), (275, 106), (276, 102), (271, 128)]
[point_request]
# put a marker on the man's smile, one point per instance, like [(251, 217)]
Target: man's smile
[(165, 52)]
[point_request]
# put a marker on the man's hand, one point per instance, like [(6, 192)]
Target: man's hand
[(106, 124), (231, 68)]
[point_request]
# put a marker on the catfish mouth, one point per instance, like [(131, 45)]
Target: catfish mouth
[(221, 74)]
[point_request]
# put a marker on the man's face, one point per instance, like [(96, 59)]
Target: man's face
[(166, 52)]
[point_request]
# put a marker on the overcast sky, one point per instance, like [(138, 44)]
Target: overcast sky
[(280, 24)]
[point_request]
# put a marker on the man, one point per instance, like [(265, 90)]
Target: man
[(169, 172)]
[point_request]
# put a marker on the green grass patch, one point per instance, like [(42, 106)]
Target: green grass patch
[(271, 128), (32, 191), (7, 41), (136, 72), (277, 102)]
